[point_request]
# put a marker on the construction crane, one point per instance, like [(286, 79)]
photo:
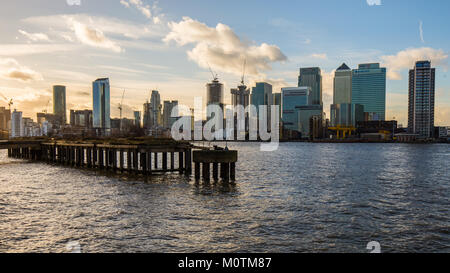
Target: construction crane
[(121, 108), (8, 100), (46, 107), (215, 76)]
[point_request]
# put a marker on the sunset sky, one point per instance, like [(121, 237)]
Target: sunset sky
[(167, 45)]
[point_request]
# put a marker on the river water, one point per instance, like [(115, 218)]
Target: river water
[(302, 198)]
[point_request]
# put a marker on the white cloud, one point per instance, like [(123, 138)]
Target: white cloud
[(374, 2), (61, 24), (143, 8), (421, 31), (13, 70), (93, 37), (406, 59), (35, 37), (222, 48), (321, 56)]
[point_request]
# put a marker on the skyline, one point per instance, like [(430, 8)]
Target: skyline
[(141, 48)]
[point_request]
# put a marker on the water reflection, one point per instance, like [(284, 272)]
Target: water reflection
[(303, 198)]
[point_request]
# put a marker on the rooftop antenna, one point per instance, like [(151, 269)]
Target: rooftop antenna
[(243, 73)]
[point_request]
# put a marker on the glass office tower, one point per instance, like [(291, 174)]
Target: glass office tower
[(369, 88), (293, 99), (421, 99), (312, 77), (101, 105), (262, 95), (59, 103)]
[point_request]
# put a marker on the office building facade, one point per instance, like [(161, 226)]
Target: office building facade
[(292, 99), (16, 124), (214, 93), (81, 118), (59, 103), (346, 114), (305, 113), (369, 89), (101, 105), (168, 120), (153, 112), (421, 99), (342, 88), (262, 95), (312, 77)]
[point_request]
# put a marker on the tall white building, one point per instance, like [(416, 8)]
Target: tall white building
[(342, 91), (16, 124)]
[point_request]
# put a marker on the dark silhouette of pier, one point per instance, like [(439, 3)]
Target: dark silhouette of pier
[(136, 156)]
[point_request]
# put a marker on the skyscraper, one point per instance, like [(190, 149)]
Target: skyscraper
[(369, 88), (312, 77), (342, 91), (240, 96), (214, 93), (16, 124), (168, 120), (59, 103), (5, 117), (152, 111), (277, 101), (293, 99), (262, 95), (137, 119), (101, 105), (421, 99)]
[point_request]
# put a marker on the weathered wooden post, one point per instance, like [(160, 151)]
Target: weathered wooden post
[(197, 170), (135, 161), (188, 162), (129, 160), (172, 161), (114, 150), (156, 161), (89, 157), (181, 162), (216, 157), (206, 171), (233, 171), (164, 161), (216, 171), (100, 158)]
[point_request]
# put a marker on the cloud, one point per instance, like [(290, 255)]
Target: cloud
[(144, 9), (13, 70), (406, 59), (321, 56), (221, 48), (35, 37), (93, 37), (374, 2), (62, 26), (421, 31)]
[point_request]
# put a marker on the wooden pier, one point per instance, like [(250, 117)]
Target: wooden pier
[(134, 158)]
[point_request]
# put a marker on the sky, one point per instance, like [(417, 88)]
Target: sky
[(168, 45)]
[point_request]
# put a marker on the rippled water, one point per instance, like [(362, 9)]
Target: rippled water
[(303, 198)]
